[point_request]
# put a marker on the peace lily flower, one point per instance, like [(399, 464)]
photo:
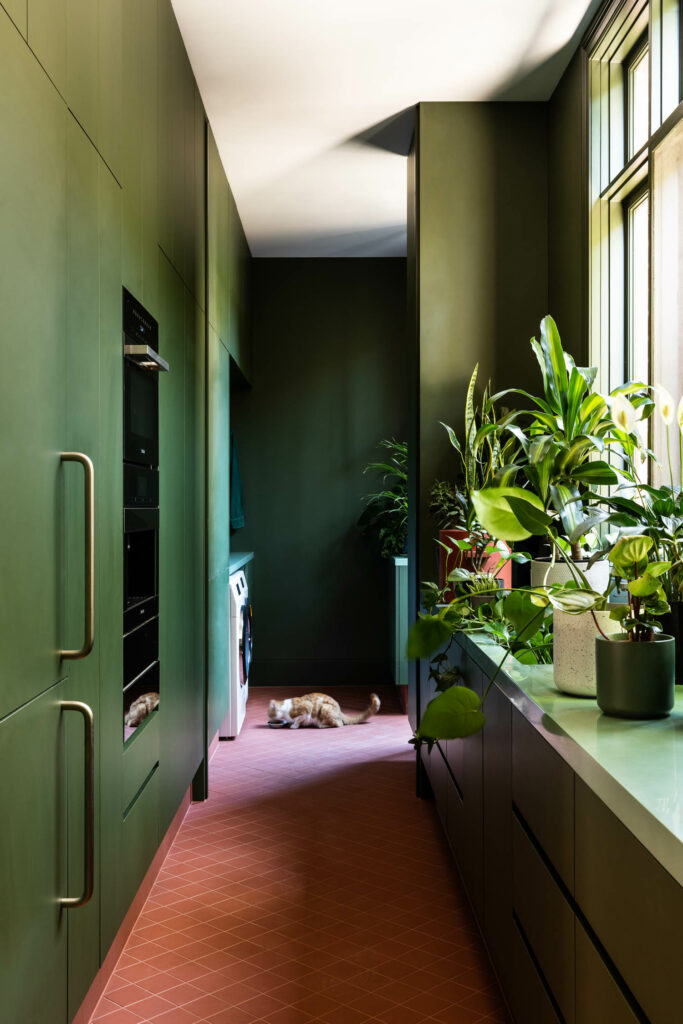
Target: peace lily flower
[(624, 415), (679, 414), (665, 405)]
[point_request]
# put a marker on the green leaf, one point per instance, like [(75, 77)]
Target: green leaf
[(619, 612), (495, 514), (598, 472), (575, 391), (658, 568), (555, 365), (575, 602), (454, 714), (531, 518), (644, 586), (524, 615), (426, 636), (631, 552)]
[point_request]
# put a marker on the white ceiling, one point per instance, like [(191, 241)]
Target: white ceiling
[(290, 85)]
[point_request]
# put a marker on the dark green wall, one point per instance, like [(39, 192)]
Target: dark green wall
[(568, 208), (481, 241), (329, 382)]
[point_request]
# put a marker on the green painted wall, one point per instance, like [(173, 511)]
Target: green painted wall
[(481, 237), (330, 380), (568, 208)]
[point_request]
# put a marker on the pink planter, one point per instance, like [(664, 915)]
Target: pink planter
[(456, 559)]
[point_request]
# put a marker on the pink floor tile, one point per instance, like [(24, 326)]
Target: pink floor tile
[(311, 888)]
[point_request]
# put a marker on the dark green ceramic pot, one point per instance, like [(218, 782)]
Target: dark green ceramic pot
[(635, 680)]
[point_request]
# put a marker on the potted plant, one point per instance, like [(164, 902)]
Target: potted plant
[(462, 540), (386, 510), (563, 439), (636, 670), (657, 513)]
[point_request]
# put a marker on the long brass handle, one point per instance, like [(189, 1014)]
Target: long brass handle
[(89, 603), (89, 793)]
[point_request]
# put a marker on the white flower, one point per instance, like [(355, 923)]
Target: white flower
[(679, 414), (624, 416), (665, 405)]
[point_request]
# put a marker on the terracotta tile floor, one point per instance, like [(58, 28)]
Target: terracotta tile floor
[(311, 888)]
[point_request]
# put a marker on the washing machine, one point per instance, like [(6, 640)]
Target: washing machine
[(240, 656)]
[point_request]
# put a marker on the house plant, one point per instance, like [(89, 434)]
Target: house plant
[(635, 672), (481, 455), (563, 440), (386, 510)]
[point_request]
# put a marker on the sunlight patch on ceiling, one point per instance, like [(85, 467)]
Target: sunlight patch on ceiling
[(288, 84)]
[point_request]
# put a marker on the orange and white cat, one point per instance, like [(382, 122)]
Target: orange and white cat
[(317, 709)]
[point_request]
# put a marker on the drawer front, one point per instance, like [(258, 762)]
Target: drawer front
[(632, 904), (529, 1000), (546, 918), (439, 779), (598, 997), (497, 829), (543, 790)]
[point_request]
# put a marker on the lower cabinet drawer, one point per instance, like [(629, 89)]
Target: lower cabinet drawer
[(528, 998), (598, 997), (439, 779), (632, 904), (546, 918)]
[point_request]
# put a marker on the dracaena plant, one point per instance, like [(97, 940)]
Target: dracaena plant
[(564, 439)]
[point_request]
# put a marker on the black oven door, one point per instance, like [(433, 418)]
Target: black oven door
[(140, 414)]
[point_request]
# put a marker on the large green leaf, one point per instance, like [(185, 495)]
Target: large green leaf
[(597, 473), (575, 602), (454, 714), (629, 555), (575, 393), (529, 517), (496, 515), (644, 586), (426, 636), (555, 365), (524, 615)]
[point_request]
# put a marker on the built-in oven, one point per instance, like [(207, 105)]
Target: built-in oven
[(141, 366)]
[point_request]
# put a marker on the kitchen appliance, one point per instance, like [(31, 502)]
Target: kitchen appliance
[(141, 366), (240, 656)]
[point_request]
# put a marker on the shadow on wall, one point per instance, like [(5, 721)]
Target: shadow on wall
[(330, 381)]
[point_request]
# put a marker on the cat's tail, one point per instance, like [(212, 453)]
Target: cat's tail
[(372, 709)]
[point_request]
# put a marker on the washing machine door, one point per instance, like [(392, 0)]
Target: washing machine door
[(246, 644)]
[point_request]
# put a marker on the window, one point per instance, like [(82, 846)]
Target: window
[(636, 196)]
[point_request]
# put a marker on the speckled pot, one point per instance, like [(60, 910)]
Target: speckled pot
[(635, 680), (574, 650), (597, 575)]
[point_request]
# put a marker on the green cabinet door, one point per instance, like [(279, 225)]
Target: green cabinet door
[(18, 13), (33, 855), (93, 327), (33, 381)]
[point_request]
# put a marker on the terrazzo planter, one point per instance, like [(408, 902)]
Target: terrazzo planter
[(635, 680), (574, 650), (597, 575), (672, 623)]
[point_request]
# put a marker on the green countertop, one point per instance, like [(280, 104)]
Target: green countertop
[(238, 559), (635, 767)]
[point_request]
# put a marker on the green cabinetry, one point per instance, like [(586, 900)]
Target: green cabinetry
[(570, 896), (33, 382)]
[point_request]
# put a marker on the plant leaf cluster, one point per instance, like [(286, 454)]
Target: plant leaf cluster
[(386, 511)]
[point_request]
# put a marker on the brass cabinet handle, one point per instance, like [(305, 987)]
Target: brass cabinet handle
[(89, 499), (89, 837)]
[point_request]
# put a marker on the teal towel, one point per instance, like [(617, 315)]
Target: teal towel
[(236, 496)]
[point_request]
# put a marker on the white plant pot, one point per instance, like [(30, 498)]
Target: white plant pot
[(543, 575), (574, 650)]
